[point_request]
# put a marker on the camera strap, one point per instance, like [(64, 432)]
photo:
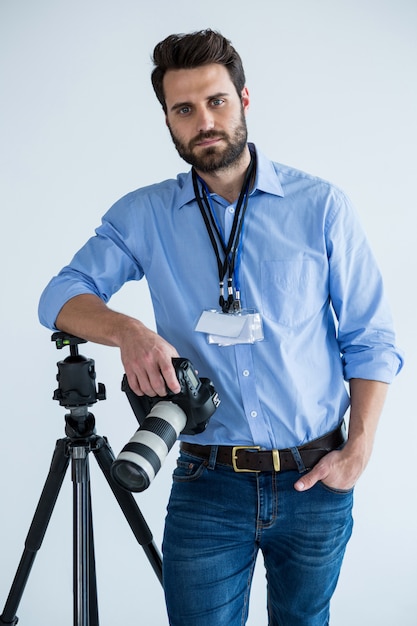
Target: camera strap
[(228, 254)]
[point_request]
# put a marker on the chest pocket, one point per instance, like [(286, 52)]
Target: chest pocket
[(293, 290)]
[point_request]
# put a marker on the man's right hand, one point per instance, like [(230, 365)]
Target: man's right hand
[(146, 357)]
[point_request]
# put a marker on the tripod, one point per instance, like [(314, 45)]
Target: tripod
[(76, 391)]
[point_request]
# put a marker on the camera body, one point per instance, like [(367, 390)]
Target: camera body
[(197, 398), (161, 420)]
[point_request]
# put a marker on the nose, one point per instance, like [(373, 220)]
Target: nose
[(205, 120)]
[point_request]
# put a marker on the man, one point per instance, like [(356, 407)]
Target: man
[(248, 263)]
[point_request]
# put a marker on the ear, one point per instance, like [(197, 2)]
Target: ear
[(245, 98)]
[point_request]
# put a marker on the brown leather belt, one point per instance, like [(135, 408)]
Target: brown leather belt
[(253, 459)]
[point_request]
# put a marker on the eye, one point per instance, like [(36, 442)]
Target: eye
[(184, 110), (216, 102)]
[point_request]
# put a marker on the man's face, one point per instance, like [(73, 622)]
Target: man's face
[(206, 116)]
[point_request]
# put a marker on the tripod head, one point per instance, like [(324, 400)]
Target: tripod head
[(76, 385)]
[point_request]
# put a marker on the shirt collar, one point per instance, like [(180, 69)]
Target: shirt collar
[(267, 181)]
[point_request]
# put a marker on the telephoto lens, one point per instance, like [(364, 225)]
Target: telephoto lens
[(162, 419), (142, 457)]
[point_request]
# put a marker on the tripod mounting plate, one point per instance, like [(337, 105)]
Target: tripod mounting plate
[(64, 339)]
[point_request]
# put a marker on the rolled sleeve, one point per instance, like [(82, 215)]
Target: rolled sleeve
[(100, 267), (365, 328)]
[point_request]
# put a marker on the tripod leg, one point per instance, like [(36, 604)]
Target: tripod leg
[(37, 530), (85, 585), (92, 587), (105, 457)]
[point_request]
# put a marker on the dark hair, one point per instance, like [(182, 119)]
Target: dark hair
[(188, 51)]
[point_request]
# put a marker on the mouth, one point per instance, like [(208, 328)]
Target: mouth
[(208, 142), (204, 142)]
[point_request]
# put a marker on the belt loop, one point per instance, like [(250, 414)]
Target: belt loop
[(297, 458), (212, 457)]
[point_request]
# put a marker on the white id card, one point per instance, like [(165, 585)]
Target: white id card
[(228, 329)]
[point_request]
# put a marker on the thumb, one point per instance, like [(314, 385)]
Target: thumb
[(310, 479)]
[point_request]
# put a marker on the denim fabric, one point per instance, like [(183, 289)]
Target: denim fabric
[(218, 520)]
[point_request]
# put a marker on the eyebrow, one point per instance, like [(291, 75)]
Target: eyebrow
[(179, 105)]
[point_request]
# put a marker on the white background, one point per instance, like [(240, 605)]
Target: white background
[(333, 86)]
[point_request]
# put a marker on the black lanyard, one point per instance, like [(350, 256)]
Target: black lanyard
[(229, 250)]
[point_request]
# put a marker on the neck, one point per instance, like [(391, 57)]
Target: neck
[(228, 182)]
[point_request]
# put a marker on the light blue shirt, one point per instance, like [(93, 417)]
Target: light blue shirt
[(305, 265)]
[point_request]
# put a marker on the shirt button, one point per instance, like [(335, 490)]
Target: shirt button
[(231, 209), (253, 414), (245, 372)]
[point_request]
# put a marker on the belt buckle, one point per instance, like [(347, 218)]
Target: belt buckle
[(234, 458)]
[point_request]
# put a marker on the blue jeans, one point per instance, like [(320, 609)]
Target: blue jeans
[(218, 520)]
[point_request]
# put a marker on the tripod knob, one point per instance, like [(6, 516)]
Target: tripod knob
[(101, 391)]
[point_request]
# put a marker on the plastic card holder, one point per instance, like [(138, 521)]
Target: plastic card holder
[(227, 329)]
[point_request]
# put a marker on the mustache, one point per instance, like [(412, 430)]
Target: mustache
[(209, 134)]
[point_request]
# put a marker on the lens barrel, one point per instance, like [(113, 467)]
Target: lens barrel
[(141, 458)]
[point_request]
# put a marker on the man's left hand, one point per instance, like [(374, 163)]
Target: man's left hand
[(336, 469)]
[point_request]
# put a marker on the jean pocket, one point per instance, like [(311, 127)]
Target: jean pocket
[(188, 468), (340, 492)]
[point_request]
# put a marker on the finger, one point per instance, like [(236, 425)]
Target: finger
[(134, 383), (170, 378), (151, 382), (140, 382), (154, 384), (308, 481)]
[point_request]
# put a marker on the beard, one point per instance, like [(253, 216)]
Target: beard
[(214, 158)]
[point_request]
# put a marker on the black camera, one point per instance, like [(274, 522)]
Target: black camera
[(161, 420)]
